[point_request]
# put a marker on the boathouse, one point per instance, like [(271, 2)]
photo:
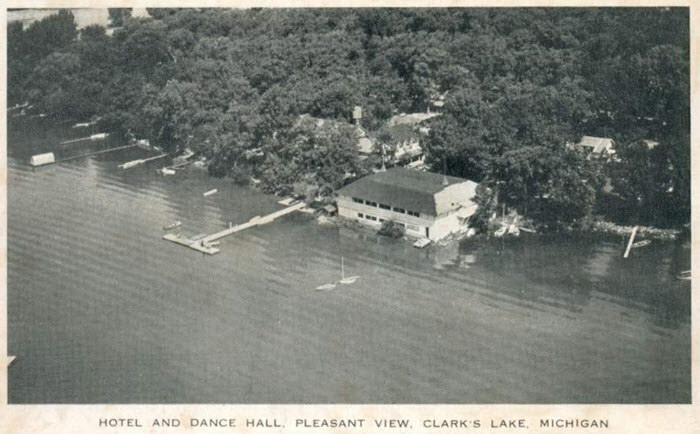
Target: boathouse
[(426, 204)]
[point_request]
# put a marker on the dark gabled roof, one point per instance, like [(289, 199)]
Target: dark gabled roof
[(404, 188)]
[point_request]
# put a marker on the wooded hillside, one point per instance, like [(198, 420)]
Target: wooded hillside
[(519, 83)]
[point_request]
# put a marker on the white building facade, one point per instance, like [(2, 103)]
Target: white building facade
[(427, 205)]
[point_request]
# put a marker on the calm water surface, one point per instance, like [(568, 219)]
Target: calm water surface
[(101, 310)]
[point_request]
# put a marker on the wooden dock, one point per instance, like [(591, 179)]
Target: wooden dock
[(204, 244)]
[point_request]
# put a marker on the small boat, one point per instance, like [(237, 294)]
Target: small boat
[(346, 280), (166, 171), (210, 192), (143, 143), (641, 243), (343, 280), (99, 136), (130, 164), (683, 275), (172, 225)]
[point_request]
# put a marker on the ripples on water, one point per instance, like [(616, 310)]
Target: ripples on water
[(102, 310)]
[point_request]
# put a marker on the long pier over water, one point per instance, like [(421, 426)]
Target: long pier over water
[(204, 244)]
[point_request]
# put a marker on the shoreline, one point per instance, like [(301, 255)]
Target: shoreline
[(645, 232)]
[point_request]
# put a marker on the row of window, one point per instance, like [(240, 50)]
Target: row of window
[(387, 207), (413, 228), (373, 218), (367, 216)]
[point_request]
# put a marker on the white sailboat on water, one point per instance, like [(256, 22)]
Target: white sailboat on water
[(346, 280), (343, 280)]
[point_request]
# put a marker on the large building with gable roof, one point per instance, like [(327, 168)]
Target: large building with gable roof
[(428, 205)]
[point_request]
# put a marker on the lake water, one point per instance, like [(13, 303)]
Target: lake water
[(102, 310)]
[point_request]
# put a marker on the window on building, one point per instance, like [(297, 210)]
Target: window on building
[(413, 213), (401, 210), (356, 200), (367, 202), (360, 215), (384, 206), (371, 217), (382, 220)]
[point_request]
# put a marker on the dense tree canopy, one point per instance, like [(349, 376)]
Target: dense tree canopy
[(519, 84)]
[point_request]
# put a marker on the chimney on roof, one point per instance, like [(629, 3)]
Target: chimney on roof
[(444, 173), (357, 114)]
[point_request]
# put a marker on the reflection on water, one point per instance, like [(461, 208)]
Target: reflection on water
[(102, 310)]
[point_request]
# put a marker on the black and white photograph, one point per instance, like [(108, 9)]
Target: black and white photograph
[(361, 205)]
